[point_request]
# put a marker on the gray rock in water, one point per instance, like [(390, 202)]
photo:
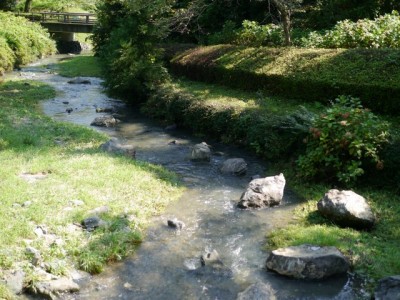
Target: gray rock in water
[(263, 192), (53, 288), (79, 80), (201, 152), (212, 265), (308, 262), (114, 146), (346, 208), (257, 291), (211, 259), (236, 166), (104, 110), (105, 121), (14, 281), (388, 288), (175, 223)]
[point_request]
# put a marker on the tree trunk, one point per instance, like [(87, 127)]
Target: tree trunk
[(27, 7), (284, 10), (286, 23)]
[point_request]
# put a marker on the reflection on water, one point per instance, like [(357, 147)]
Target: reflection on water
[(167, 265)]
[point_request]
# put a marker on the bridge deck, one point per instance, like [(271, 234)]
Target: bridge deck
[(62, 18)]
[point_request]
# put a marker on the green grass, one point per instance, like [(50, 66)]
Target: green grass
[(86, 65), (373, 254), (75, 168)]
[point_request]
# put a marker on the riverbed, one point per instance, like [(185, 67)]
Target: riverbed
[(167, 264)]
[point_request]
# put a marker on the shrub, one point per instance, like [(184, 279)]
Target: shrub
[(268, 134), (251, 34), (127, 39), (382, 32), (28, 41), (341, 140)]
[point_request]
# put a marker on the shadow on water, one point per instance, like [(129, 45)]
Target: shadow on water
[(167, 264)]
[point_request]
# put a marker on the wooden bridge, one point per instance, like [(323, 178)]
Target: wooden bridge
[(63, 22)]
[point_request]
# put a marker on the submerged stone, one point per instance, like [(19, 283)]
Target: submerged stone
[(235, 166), (257, 291), (388, 288)]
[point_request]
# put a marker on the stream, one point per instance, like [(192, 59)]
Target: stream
[(167, 264)]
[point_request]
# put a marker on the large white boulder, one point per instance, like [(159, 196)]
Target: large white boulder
[(346, 208), (307, 262), (263, 192)]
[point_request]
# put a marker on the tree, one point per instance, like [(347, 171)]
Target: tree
[(127, 38), (28, 4), (8, 5), (285, 9)]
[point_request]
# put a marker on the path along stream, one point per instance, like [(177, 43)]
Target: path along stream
[(167, 264)]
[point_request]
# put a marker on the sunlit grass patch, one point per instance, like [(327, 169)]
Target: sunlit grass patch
[(46, 167), (85, 65)]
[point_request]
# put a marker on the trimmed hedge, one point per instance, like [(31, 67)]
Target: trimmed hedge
[(308, 74)]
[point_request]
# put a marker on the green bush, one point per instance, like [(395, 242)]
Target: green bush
[(27, 41), (7, 56), (127, 38), (253, 34), (266, 133), (250, 34), (382, 32), (341, 140)]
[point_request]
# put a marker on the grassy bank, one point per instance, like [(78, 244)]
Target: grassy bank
[(48, 166), (308, 74)]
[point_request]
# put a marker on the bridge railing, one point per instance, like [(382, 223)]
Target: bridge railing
[(56, 17)]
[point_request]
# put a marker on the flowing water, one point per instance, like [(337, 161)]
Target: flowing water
[(167, 264)]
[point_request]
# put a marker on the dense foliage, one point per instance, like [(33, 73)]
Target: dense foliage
[(60, 5), (341, 140), (382, 32), (126, 38), (21, 41)]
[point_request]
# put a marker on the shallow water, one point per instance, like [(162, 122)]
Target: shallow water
[(167, 264)]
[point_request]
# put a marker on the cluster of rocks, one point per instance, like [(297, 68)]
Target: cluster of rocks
[(310, 262), (49, 285)]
